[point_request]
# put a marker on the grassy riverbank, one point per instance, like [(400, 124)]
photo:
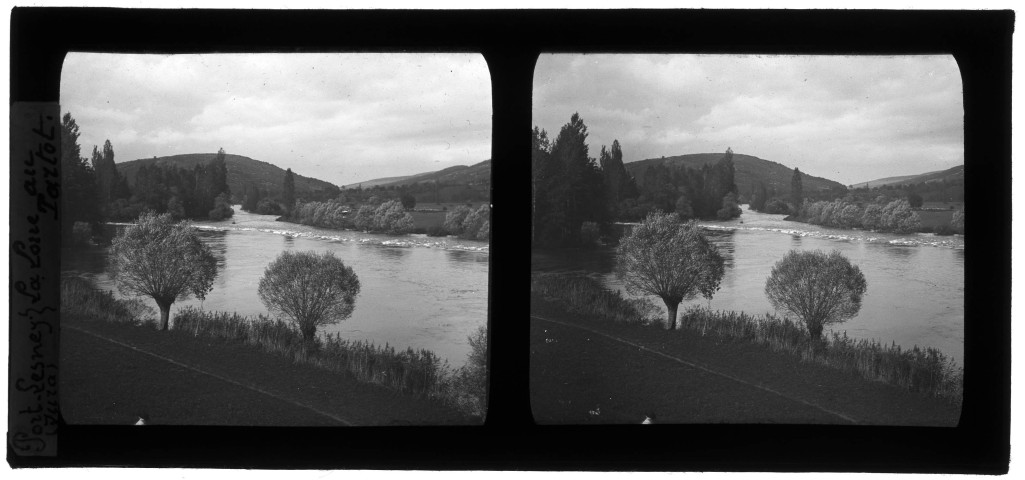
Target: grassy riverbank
[(418, 374), (924, 373)]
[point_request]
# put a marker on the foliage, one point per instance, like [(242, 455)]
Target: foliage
[(730, 208), (471, 380), (408, 201), (915, 200), (568, 187), (895, 216), (454, 220), (222, 208), (587, 297), (391, 217), (926, 371), (777, 206), (898, 217), (309, 289), (957, 221), (288, 189), (79, 202), (159, 258), (796, 190), (920, 370), (671, 260), (81, 301), (704, 191), (819, 289), (475, 222), (195, 191)]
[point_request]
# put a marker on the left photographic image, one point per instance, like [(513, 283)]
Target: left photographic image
[(275, 239)]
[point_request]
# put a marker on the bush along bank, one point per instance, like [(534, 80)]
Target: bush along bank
[(419, 373), (926, 371)]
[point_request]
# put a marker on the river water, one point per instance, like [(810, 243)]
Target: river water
[(416, 291), (915, 282)]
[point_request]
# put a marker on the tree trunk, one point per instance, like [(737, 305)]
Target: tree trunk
[(165, 313), (815, 330), (671, 306)]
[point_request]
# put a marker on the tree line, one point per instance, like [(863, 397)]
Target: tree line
[(94, 191), (571, 190)]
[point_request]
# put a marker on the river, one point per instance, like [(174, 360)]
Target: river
[(416, 291), (915, 282)]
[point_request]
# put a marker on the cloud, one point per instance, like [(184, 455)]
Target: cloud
[(344, 118), (850, 118)]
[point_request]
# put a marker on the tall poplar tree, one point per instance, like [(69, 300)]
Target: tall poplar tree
[(289, 190), (796, 191)]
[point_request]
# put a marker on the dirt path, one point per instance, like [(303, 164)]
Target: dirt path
[(111, 374), (597, 373)]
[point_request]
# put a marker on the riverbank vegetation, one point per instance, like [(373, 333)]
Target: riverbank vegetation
[(571, 188), (926, 371), (416, 372)]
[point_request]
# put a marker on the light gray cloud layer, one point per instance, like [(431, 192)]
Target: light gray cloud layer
[(847, 118), (343, 118)]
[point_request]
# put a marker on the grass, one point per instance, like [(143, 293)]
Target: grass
[(926, 371), (419, 373)]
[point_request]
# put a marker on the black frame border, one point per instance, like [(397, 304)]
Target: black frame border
[(510, 40)]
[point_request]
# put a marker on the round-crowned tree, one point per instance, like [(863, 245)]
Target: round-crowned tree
[(310, 289), (818, 288), (674, 261), (163, 259)]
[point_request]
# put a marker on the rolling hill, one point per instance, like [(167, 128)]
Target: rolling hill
[(476, 174), (955, 173), (749, 170), (241, 170)]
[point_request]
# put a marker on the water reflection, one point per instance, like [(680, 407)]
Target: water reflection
[(466, 256), (391, 253), (900, 252)]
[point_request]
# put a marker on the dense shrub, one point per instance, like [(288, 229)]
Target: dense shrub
[(454, 220)]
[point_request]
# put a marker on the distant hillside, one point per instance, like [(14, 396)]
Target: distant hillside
[(749, 170), (955, 173), (241, 170), (477, 174), (375, 182)]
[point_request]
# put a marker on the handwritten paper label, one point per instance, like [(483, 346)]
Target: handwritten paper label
[(35, 278)]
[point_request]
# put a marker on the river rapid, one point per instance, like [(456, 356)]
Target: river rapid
[(416, 291), (915, 290)]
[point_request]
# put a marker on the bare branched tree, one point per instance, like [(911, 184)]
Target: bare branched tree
[(674, 261), (162, 259), (819, 289), (310, 289)]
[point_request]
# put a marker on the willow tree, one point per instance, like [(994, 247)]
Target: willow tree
[(818, 288), (672, 260), (163, 259), (309, 289)]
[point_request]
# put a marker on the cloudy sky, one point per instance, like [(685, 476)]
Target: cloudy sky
[(846, 118), (343, 118)]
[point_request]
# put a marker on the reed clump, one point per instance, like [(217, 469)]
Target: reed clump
[(582, 295), (927, 371), (80, 301)]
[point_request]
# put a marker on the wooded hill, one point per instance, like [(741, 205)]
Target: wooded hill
[(476, 174), (749, 171), (949, 175), (241, 171), (452, 184)]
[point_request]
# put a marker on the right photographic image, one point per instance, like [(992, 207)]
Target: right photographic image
[(747, 239)]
